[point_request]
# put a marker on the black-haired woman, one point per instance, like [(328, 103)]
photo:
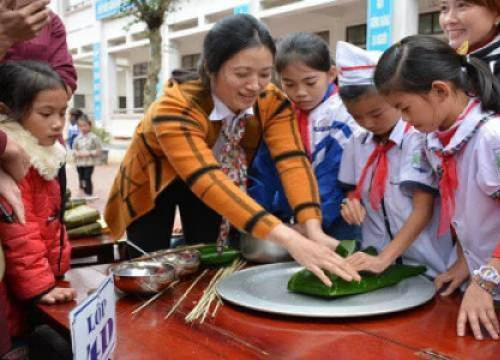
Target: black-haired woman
[(192, 147)]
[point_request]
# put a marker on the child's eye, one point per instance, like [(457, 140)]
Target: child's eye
[(265, 75), (288, 85), (311, 83), (242, 75)]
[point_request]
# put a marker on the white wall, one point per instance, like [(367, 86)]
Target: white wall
[(305, 15)]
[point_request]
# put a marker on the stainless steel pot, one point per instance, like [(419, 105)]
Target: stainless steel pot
[(262, 251), (142, 277)]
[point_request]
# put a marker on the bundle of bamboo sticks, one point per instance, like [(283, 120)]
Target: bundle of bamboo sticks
[(202, 308)]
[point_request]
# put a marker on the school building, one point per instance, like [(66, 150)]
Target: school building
[(111, 53)]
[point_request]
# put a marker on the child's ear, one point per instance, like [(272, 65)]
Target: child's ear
[(332, 73), (4, 109), (441, 90)]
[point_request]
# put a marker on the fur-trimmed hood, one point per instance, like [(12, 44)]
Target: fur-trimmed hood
[(47, 160)]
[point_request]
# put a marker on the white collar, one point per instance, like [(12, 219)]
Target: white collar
[(222, 112), (471, 116), (397, 133), (47, 160)]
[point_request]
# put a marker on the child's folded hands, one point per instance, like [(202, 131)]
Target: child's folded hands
[(58, 295)]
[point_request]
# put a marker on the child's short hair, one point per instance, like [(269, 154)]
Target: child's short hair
[(21, 81), (354, 92), (84, 117), (309, 48)]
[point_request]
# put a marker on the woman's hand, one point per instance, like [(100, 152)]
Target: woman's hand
[(11, 193), (315, 257), (312, 230), (477, 308), (353, 212), (361, 261), (58, 295), (15, 161)]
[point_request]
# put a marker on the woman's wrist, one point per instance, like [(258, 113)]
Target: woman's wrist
[(282, 235), (312, 227)]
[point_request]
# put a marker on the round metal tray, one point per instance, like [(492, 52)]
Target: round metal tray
[(264, 288)]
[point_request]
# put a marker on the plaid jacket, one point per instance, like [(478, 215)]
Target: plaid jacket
[(175, 140)]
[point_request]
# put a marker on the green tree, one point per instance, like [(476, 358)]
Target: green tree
[(152, 13)]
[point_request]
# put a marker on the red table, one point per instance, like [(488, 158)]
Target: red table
[(425, 332)]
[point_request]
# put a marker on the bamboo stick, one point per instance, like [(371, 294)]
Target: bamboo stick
[(181, 299), (202, 308), (153, 298)]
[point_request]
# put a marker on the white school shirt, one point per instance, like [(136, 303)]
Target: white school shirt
[(477, 205), (407, 169)]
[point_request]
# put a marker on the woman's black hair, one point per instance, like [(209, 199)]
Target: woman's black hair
[(229, 36), (184, 75), (413, 64), (354, 92), (309, 48), (21, 81)]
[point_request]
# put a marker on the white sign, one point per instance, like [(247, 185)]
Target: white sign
[(93, 324)]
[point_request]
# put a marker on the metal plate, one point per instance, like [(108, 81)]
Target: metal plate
[(264, 288)]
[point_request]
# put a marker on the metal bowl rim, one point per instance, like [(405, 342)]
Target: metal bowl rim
[(170, 268)]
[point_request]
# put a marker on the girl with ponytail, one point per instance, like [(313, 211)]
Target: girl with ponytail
[(455, 100)]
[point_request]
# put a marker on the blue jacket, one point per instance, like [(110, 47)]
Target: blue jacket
[(330, 126)]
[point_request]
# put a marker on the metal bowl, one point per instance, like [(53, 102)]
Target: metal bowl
[(142, 277), (185, 262), (262, 251)]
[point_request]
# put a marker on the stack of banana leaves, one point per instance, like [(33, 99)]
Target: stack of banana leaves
[(305, 282), (81, 220)]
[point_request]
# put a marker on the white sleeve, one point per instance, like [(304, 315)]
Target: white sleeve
[(347, 172), (416, 171), (488, 159)]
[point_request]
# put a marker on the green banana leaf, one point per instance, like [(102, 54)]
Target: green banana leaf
[(305, 282), (346, 248), (88, 230), (73, 203), (79, 216), (210, 257)]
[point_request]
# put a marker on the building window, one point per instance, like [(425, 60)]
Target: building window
[(325, 35), (356, 35), (190, 61), (79, 101), (428, 24), (140, 72), (122, 102)]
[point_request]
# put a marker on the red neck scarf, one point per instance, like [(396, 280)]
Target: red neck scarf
[(448, 181), (378, 157), (303, 120)]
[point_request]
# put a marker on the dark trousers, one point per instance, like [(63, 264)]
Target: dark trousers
[(85, 178), (152, 231)]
